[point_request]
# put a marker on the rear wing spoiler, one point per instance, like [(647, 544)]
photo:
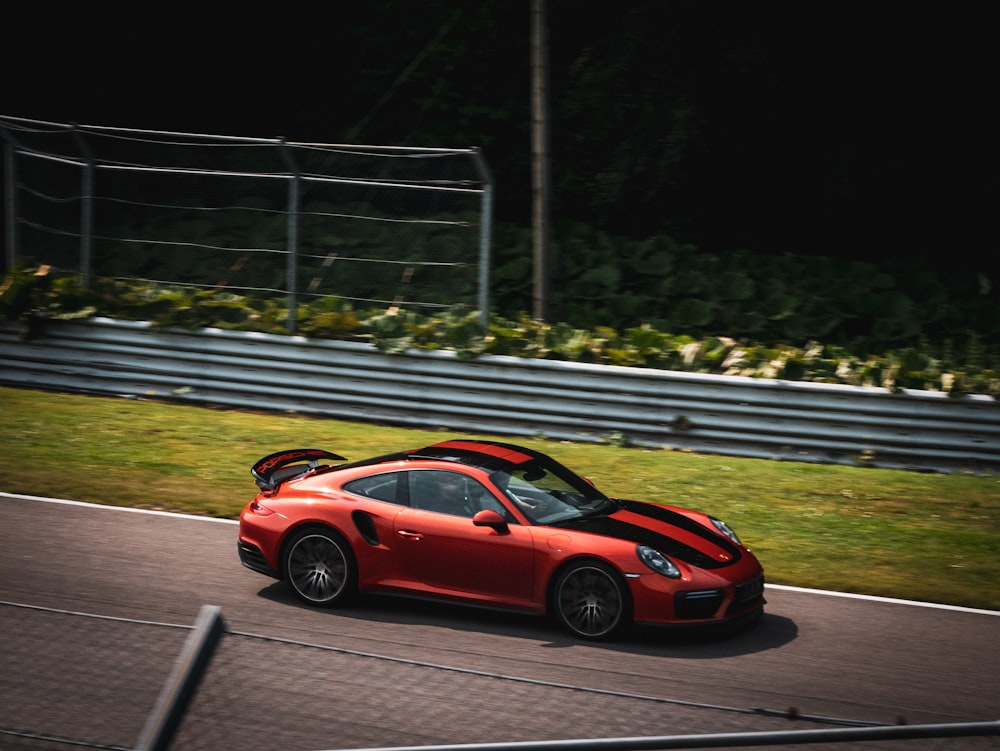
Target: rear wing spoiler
[(282, 466)]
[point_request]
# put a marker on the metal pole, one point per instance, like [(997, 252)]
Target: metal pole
[(10, 204), (166, 716), (86, 212), (540, 158), (727, 740), (293, 237), (485, 238)]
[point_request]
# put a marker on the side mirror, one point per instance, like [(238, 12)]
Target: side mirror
[(490, 518)]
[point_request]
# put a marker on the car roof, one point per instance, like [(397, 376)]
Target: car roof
[(488, 455)]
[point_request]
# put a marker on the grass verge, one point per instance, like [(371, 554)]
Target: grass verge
[(930, 537)]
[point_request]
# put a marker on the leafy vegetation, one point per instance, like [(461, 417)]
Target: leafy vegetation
[(722, 325)]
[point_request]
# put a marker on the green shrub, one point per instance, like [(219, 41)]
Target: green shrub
[(774, 324)]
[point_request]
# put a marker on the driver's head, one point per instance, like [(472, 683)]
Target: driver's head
[(451, 486)]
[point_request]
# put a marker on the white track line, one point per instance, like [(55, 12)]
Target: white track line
[(173, 514)]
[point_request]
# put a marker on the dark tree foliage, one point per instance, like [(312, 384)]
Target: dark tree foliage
[(776, 126), (840, 129)]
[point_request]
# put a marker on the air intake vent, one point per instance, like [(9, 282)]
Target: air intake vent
[(700, 604)]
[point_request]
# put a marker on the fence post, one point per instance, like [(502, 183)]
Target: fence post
[(86, 211), (485, 238), (293, 238), (10, 204), (180, 686)]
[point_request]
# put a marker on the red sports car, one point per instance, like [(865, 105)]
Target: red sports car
[(495, 525)]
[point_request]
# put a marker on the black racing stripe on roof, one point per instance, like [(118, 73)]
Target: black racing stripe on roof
[(396, 456), (513, 447), (508, 446), (462, 456)]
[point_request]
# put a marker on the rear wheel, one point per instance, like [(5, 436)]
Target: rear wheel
[(592, 600), (320, 567)]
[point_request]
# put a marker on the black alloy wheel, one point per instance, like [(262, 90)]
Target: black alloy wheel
[(320, 567), (592, 600)]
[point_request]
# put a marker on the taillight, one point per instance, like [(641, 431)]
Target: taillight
[(256, 508)]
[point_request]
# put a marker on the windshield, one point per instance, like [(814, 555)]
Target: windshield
[(549, 493)]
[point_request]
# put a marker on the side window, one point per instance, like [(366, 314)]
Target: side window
[(450, 493), (382, 487)]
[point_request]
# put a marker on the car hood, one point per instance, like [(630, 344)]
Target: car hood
[(671, 532)]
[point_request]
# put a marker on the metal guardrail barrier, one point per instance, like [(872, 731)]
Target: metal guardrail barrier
[(737, 416), (731, 740)]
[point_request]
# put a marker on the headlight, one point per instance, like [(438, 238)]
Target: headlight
[(657, 561), (724, 529)]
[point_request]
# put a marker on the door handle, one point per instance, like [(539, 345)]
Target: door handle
[(410, 535)]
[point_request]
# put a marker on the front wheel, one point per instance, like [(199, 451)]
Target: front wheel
[(320, 567), (591, 599)]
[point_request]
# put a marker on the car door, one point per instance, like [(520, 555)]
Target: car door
[(381, 497), (447, 554)]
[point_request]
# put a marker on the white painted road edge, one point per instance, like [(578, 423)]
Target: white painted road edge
[(782, 587)]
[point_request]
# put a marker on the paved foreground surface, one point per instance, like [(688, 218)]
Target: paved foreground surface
[(98, 604)]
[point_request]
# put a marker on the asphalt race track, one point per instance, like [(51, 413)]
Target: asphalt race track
[(99, 595)]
